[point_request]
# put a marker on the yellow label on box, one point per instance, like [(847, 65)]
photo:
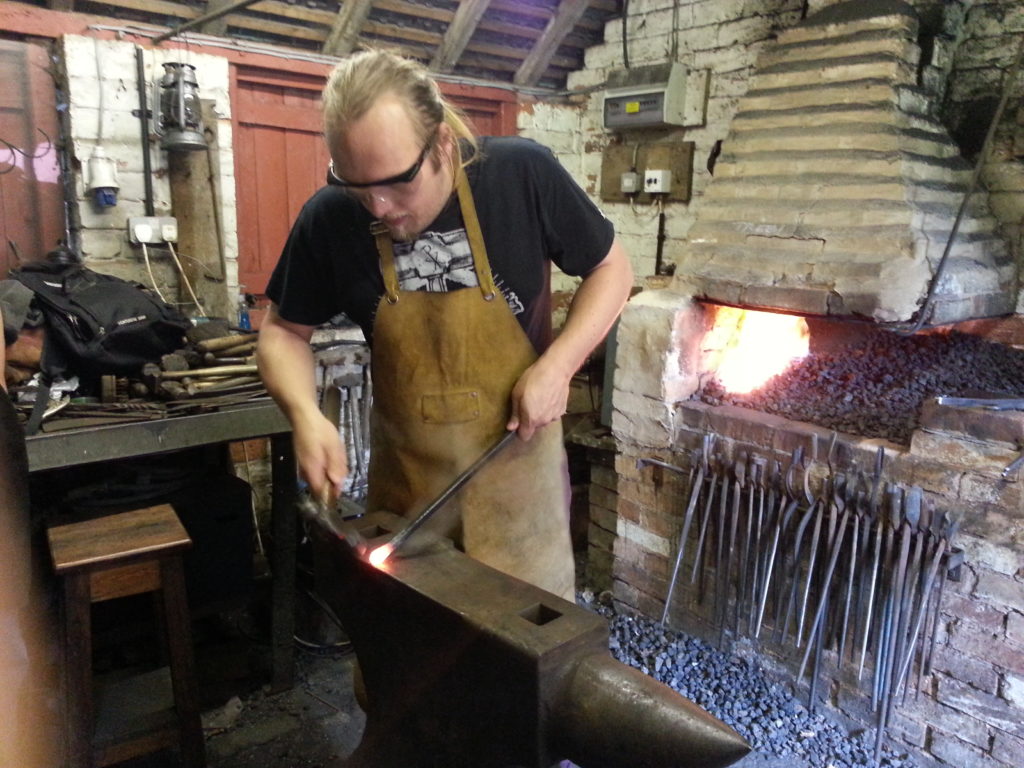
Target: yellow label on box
[(632, 107)]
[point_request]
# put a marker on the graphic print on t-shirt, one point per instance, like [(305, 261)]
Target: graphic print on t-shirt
[(439, 262), (436, 262)]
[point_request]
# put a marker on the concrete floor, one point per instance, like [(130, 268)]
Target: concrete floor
[(316, 724)]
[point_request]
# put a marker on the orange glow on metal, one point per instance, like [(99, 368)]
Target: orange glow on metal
[(379, 555), (757, 346)]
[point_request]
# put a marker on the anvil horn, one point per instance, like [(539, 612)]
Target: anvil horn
[(465, 665), (612, 715)]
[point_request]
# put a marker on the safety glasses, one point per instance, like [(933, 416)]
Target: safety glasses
[(405, 177)]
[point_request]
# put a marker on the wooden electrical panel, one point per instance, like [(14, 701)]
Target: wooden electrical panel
[(675, 156)]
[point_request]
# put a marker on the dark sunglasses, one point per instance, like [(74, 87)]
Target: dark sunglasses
[(401, 178)]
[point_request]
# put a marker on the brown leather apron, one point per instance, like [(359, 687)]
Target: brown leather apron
[(444, 365)]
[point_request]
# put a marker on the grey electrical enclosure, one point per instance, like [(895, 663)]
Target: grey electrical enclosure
[(646, 97)]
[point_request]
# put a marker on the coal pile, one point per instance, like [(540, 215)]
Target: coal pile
[(875, 386), (736, 691)]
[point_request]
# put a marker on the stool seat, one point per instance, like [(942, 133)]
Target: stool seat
[(114, 539), (116, 556)]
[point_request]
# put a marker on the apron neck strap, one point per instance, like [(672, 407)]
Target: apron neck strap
[(481, 264)]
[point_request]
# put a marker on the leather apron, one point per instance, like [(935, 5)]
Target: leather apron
[(443, 366)]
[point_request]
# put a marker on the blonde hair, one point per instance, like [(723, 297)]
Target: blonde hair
[(359, 80)]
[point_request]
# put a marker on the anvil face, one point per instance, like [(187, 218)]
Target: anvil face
[(465, 665)]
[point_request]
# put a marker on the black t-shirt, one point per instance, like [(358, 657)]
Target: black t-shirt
[(531, 212)]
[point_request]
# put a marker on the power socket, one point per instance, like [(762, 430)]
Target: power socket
[(153, 230), (657, 182)]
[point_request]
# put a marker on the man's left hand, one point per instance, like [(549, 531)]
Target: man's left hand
[(538, 398)]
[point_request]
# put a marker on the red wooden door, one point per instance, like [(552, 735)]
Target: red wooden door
[(31, 196), (281, 159)]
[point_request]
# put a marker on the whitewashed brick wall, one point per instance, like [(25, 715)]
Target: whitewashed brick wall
[(721, 36), (103, 104), (725, 37)]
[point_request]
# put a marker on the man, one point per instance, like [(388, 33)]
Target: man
[(440, 248)]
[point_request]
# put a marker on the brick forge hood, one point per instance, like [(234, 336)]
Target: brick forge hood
[(837, 187)]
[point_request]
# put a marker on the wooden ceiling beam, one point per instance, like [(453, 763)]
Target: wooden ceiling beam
[(543, 52), (218, 26), (345, 31), (458, 35)]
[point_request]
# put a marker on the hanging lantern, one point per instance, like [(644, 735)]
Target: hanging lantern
[(178, 121)]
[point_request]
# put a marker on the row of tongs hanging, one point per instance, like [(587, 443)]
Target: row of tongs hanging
[(856, 564)]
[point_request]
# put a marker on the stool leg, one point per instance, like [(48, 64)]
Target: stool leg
[(78, 670), (182, 663)]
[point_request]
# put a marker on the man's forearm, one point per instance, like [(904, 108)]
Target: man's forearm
[(287, 368)]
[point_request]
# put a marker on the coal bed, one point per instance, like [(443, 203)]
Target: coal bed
[(874, 386), (738, 692)]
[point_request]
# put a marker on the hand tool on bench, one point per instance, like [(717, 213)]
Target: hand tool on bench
[(382, 553)]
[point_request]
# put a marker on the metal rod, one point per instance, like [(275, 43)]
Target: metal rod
[(467, 474), (971, 187), (147, 167)]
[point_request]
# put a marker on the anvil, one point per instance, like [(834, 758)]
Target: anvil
[(467, 666)]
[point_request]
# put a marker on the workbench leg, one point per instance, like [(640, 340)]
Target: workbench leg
[(178, 624), (283, 560), (78, 670)]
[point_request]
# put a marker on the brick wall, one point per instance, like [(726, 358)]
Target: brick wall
[(971, 707), (971, 46), (103, 103)]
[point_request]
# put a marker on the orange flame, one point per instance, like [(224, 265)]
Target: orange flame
[(379, 555), (756, 346)]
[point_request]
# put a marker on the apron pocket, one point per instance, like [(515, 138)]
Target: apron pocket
[(451, 407)]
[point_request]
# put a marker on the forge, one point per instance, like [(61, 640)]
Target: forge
[(752, 518)]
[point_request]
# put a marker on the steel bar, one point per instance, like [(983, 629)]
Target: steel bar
[(697, 481), (815, 535), (886, 691), (888, 567), (929, 582), (836, 547), (739, 474), (464, 477), (745, 558), (756, 544), (791, 604), (720, 575), (877, 524), (784, 520), (705, 518)]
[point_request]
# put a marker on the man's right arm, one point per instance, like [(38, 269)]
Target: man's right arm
[(289, 373)]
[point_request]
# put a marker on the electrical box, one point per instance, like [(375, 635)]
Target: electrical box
[(657, 182), (629, 183), (652, 96), (153, 230)]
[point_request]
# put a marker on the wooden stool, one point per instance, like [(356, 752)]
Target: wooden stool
[(116, 556)]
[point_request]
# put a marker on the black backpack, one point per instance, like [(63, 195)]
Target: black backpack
[(97, 324)]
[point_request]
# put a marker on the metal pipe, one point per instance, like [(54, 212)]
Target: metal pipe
[(147, 169), (971, 187)]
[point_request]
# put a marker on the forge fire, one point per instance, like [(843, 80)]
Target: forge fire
[(874, 384)]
